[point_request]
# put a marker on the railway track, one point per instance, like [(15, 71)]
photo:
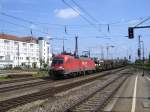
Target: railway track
[(95, 101), (18, 80), (24, 79), (14, 102), (32, 84), (22, 86)]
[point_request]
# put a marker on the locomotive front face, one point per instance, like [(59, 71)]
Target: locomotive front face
[(57, 66)]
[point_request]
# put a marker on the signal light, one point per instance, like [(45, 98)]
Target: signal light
[(131, 32)]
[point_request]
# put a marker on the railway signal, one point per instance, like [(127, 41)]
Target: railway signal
[(131, 32)]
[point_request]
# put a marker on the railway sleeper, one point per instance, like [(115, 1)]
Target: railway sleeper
[(98, 99)]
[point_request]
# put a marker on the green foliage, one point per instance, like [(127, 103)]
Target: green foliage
[(34, 64), (17, 68), (45, 65), (41, 74), (5, 78), (149, 59), (147, 65), (139, 62)]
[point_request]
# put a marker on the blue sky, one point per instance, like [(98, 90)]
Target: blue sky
[(51, 16)]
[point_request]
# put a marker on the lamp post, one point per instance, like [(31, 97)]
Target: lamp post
[(107, 48), (63, 42), (142, 42), (18, 55), (102, 53), (97, 47)]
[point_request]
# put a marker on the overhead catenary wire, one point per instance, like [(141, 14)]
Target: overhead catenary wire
[(56, 38), (89, 15), (86, 19), (96, 24), (20, 19), (118, 23), (17, 18), (62, 25), (23, 26), (142, 22), (36, 23), (29, 21), (83, 10)]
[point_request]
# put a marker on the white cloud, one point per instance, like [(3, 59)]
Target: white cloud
[(66, 13)]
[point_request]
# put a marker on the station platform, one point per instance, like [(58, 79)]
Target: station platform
[(133, 95)]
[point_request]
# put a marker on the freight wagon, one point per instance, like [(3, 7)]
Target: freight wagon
[(69, 66)]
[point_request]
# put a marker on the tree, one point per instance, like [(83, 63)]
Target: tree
[(149, 58), (34, 64), (41, 63), (45, 65)]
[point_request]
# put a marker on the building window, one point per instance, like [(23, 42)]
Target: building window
[(6, 41), (16, 43), (31, 45), (1, 57), (24, 44), (27, 58)]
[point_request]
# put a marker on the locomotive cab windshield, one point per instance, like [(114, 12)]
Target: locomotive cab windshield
[(57, 61)]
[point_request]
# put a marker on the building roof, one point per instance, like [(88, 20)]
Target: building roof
[(17, 38)]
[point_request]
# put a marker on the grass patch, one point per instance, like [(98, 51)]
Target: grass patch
[(5, 78), (146, 66), (41, 74)]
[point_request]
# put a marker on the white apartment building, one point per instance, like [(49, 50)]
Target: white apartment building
[(24, 51)]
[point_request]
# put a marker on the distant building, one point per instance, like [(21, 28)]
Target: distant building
[(24, 51)]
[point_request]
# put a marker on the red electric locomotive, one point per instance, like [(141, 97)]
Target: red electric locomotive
[(67, 65)]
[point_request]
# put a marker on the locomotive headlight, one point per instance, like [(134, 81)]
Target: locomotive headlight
[(61, 67)]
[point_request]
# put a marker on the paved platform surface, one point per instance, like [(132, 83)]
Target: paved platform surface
[(133, 96)]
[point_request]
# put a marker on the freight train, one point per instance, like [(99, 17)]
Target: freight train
[(69, 66)]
